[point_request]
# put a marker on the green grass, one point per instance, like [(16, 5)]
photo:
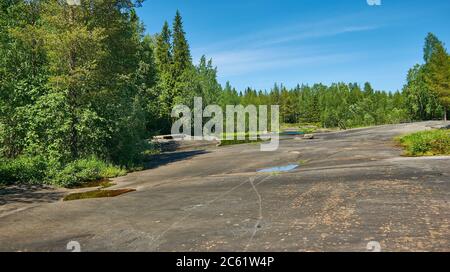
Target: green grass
[(303, 162), (426, 143), (225, 135), (307, 130), (236, 141), (300, 125)]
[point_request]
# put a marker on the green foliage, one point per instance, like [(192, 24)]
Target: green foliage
[(84, 170), (428, 89), (236, 138), (437, 74), (426, 143), (422, 103), (30, 170), (85, 82), (207, 77), (339, 105), (182, 59), (38, 170), (307, 130)]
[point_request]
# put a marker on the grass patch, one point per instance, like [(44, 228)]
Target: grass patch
[(97, 194), (303, 162), (301, 125), (302, 128), (426, 143), (235, 135), (237, 141), (307, 130)]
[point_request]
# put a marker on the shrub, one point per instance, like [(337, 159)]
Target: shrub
[(84, 170), (37, 170), (427, 143), (29, 170)]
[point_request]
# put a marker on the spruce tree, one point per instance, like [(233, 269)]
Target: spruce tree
[(181, 54), (431, 43), (163, 51), (165, 84)]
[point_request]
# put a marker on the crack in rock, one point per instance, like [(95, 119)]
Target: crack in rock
[(260, 213)]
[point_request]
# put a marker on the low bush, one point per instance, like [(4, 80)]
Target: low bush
[(30, 170), (84, 170), (427, 143), (37, 170)]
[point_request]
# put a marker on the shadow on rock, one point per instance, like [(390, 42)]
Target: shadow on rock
[(29, 194), (166, 158)]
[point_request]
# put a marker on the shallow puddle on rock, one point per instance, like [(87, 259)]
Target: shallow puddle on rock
[(291, 133), (97, 194), (285, 168)]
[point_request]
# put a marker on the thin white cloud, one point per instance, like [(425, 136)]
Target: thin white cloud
[(318, 33), (232, 63), (278, 48), (289, 32)]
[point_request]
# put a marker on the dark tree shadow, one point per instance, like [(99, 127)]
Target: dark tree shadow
[(27, 194), (169, 146), (155, 161)]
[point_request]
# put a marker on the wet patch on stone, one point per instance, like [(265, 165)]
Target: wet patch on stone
[(292, 133), (278, 169), (97, 194)]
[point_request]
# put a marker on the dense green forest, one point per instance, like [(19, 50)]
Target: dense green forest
[(83, 88)]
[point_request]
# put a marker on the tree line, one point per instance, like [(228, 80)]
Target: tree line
[(425, 96), (86, 81)]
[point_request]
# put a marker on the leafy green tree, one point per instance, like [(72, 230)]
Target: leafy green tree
[(74, 53), (207, 76), (23, 72), (421, 103), (92, 53), (437, 75)]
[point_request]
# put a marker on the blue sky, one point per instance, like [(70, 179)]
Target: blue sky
[(259, 42)]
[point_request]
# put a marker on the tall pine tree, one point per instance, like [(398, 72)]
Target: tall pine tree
[(181, 54)]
